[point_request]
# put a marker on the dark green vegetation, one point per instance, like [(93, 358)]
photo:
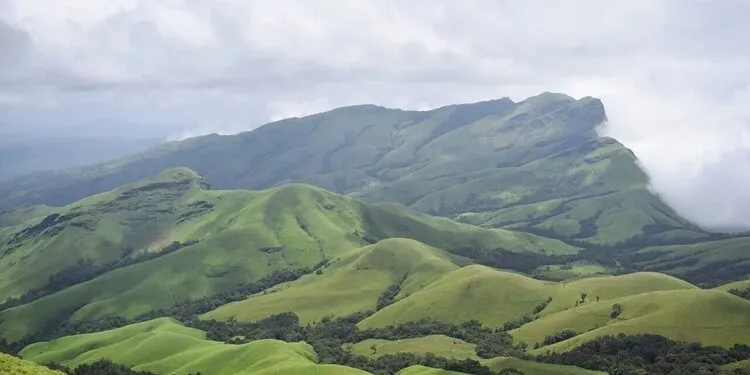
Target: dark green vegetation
[(649, 354), (545, 250)]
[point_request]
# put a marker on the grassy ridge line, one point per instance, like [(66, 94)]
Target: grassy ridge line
[(349, 285), (495, 297), (165, 346), (710, 317), (244, 236), (540, 150)]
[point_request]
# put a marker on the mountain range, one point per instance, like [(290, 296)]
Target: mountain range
[(489, 237)]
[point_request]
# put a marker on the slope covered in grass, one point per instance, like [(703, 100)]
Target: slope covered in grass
[(535, 368), (424, 370), (536, 164), (710, 317), (10, 365), (494, 297), (163, 346), (351, 284), (440, 345), (229, 237), (712, 262)]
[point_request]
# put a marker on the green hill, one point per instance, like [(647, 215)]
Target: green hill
[(536, 368), (711, 262), (440, 345), (350, 285), (537, 164), (707, 316), (164, 346), (10, 365), (116, 252), (424, 370), (495, 297)]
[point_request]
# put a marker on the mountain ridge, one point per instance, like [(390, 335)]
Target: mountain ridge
[(501, 159)]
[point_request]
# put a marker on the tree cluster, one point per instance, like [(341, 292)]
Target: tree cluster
[(648, 354)]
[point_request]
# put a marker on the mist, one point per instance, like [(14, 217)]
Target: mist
[(674, 76)]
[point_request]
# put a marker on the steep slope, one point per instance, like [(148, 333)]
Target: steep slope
[(116, 252), (164, 346), (495, 297), (711, 262), (707, 316), (10, 365), (537, 164), (350, 285)]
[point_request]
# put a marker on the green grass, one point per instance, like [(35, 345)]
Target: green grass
[(424, 370), (10, 365), (707, 316), (164, 346), (494, 297), (440, 345), (574, 270), (244, 236), (742, 284), (349, 285), (22, 215), (713, 262), (536, 368), (730, 368)]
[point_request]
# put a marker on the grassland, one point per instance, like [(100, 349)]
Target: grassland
[(241, 236), (424, 370), (164, 346), (712, 262), (494, 297), (535, 368), (351, 284), (440, 345), (710, 317), (10, 365)]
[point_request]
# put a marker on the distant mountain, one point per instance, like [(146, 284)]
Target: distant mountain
[(22, 155), (536, 165)]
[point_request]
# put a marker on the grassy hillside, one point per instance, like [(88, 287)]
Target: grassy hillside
[(164, 346), (440, 345), (707, 316), (712, 262), (424, 370), (535, 164), (10, 365), (351, 284), (536, 368), (19, 216), (495, 297), (228, 238)]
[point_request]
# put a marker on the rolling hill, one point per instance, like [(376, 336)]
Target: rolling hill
[(495, 297), (164, 346), (537, 164), (169, 238), (350, 285), (710, 317)]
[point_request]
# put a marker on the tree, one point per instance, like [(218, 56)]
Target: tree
[(616, 311), (583, 296)]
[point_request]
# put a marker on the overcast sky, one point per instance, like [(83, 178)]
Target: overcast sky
[(674, 75)]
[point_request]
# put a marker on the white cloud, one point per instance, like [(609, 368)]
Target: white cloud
[(674, 75)]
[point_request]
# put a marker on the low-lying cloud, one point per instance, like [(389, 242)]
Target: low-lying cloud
[(674, 75)]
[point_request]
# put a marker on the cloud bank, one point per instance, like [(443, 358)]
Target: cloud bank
[(674, 75)]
